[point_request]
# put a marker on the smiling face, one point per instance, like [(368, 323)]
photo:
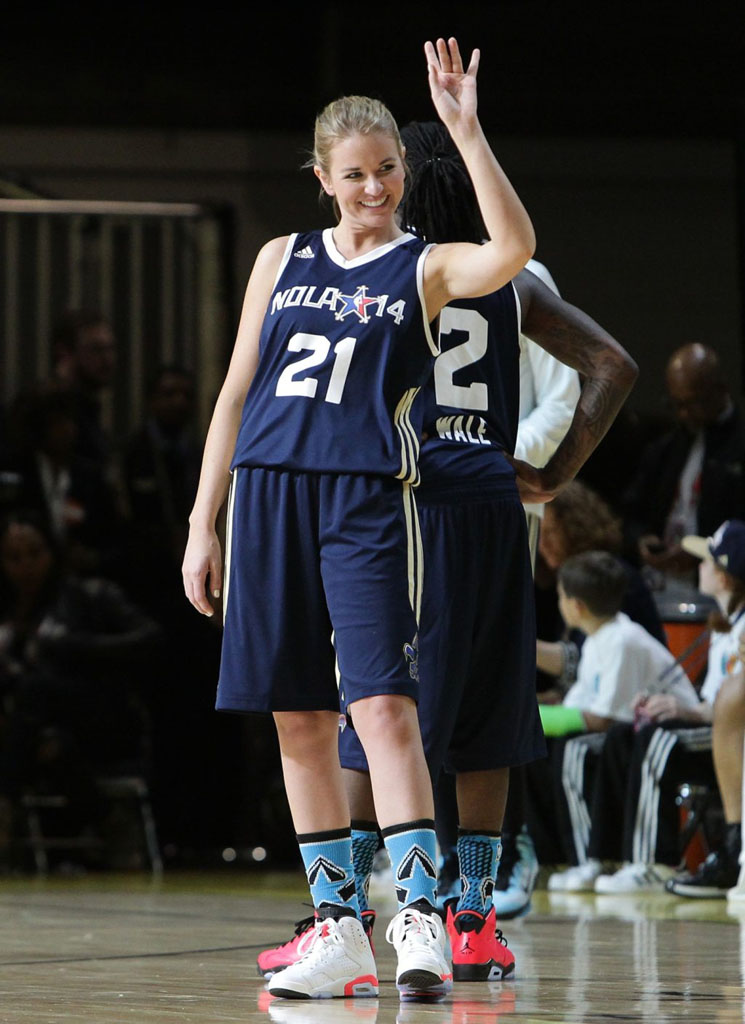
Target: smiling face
[(366, 177)]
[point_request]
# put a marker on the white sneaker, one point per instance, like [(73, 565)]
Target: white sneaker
[(420, 941), (635, 878), (736, 895), (338, 963), (577, 879)]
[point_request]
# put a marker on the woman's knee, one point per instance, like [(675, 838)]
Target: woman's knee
[(390, 715), (305, 730)]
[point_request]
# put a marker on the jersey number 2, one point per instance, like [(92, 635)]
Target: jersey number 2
[(447, 392), (290, 384)]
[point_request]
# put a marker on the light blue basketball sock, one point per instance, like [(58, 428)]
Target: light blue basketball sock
[(365, 842), (478, 859), (412, 848), (327, 857)]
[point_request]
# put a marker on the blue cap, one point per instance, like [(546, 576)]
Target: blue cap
[(726, 547)]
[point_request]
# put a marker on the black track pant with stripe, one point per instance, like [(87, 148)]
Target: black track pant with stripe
[(557, 794), (633, 810)]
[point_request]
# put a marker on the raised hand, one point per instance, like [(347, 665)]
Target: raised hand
[(453, 89)]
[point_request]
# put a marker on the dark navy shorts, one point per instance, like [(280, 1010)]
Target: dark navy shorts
[(322, 587), (477, 707)]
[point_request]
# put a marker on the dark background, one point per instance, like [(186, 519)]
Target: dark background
[(549, 68)]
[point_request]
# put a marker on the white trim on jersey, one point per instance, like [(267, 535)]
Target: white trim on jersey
[(359, 261), (409, 438), (286, 255), (228, 543), (518, 311), (415, 552), (434, 346)]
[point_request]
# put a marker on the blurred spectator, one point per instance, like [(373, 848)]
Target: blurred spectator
[(619, 661), (634, 815), (691, 479), (198, 755), (84, 355), (721, 870), (161, 471), (578, 520), (72, 655), (69, 492)]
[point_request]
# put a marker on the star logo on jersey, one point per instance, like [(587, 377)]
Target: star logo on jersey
[(411, 653), (416, 861), (358, 304)]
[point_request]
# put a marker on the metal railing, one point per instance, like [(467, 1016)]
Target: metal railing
[(158, 271)]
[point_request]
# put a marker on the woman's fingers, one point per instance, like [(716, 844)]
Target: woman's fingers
[(473, 67)]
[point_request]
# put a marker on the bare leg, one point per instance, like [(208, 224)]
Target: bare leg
[(308, 743), (388, 728), (360, 795), (482, 797), (728, 730)]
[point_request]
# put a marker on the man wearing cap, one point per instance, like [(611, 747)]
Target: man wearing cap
[(642, 766)]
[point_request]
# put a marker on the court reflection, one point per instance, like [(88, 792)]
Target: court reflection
[(580, 959)]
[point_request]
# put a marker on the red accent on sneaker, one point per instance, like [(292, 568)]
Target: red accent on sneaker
[(368, 923), (278, 957), (366, 984), (479, 949)]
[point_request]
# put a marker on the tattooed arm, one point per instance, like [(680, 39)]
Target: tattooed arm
[(607, 371)]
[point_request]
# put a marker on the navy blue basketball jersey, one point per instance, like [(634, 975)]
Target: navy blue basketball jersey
[(469, 408), (344, 347)]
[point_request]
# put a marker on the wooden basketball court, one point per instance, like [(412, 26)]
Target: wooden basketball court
[(117, 949)]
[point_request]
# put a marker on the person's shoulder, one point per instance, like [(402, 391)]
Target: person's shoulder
[(273, 250), (621, 632), (626, 626)]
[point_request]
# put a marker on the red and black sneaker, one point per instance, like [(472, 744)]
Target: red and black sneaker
[(480, 951), (279, 957)]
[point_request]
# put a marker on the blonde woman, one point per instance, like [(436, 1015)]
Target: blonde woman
[(313, 421)]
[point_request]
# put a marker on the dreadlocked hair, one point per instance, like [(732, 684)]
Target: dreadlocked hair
[(439, 203)]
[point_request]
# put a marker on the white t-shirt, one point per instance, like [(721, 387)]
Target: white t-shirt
[(620, 661), (722, 660)]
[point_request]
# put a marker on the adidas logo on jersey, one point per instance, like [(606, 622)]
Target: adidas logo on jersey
[(304, 254)]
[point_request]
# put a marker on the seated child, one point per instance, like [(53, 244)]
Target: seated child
[(635, 819), (619, 661)]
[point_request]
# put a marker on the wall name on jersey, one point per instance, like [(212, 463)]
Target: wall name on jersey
[(358, 304), (468, 429)]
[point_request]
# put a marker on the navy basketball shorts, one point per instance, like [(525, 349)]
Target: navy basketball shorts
[(307, 556), (477, 653)]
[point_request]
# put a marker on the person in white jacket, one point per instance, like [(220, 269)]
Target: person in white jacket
[(549, 392)]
